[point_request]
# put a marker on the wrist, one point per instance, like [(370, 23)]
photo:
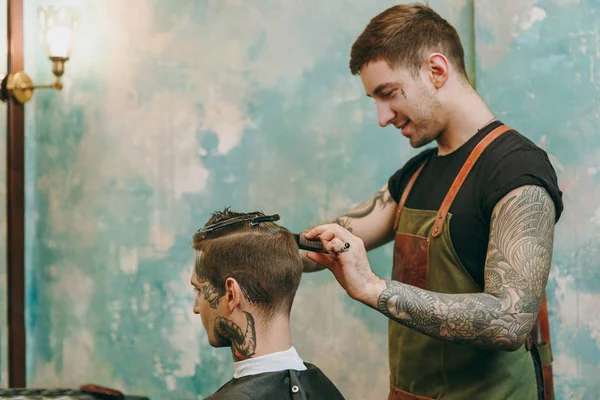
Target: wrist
[(373, 289)]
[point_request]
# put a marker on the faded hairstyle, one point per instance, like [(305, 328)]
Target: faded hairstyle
[(263, 259), (404, 36)]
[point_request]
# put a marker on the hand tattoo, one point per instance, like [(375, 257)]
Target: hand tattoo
[(243, 345), (517, 267)]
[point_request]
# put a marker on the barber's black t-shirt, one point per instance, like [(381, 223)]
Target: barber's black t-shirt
[(509, 162)]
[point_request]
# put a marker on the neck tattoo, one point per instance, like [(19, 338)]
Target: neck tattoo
[(243, 344)]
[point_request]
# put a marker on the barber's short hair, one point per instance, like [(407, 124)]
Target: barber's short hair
[(264, 259), (403, 36)]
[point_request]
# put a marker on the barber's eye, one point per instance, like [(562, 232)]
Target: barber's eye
[(388, 94)]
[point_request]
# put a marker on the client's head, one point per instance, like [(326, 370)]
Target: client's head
[(246, 276)]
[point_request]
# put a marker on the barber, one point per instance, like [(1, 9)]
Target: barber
[(472, 220)]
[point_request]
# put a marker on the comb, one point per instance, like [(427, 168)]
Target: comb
[(306, 244), (253, 218)]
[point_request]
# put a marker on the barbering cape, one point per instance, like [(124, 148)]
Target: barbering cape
[(310, 384)]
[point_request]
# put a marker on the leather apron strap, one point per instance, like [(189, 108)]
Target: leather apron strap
[(543, 326), (458, 181), (405, 194), (462, 175), (544, 322)]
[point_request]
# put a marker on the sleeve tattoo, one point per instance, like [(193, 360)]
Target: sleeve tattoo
[(381, 199), (517, 267)]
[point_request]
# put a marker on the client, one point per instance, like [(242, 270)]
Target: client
[(247, 270)]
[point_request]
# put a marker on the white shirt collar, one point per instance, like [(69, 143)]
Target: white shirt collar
[(280, 361)]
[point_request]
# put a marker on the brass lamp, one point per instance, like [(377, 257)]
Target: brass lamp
[(57, 30)]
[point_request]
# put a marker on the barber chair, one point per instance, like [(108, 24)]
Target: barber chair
[(85, 392)]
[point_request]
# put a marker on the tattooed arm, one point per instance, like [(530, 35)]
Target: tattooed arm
[(372, 221), (516, 271)]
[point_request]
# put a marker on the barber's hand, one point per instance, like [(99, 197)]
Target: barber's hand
[(349, 264)]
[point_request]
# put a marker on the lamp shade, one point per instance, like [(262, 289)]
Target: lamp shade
[(58, 26)]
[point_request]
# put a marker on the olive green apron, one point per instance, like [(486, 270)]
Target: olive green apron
[(422, 367)]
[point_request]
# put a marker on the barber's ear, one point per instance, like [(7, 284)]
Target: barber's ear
[(233, 294), (437, 68)]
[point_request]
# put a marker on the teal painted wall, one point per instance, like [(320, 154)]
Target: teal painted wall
[(165, 117), (191, 105), (538, 66)]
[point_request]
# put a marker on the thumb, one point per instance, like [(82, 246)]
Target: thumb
[(320, 258)]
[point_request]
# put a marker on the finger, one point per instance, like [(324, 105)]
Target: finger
[(334, 246), (320, 258), (325, 238), (318, 230), (344, 248), (340, 230), (327, 235)]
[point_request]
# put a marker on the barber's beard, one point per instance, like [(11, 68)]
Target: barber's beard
[(423, 138), (419, 141), (428, 127)]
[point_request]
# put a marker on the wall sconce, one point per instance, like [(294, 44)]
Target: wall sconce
[(57, 26)]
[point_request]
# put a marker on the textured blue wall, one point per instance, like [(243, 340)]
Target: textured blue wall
[(538, 66), (187, 106), (166, 116)]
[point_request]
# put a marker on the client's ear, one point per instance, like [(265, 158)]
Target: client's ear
[(233, 294)]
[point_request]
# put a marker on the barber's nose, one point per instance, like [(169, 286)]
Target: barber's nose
[(385, 115)]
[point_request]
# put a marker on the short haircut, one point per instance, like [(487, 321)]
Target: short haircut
[(404, 35), (264, 259)]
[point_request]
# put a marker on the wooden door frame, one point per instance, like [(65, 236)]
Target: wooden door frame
[(15, 205)]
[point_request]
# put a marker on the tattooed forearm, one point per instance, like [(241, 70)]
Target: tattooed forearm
[(381, 198), (344, 221), (474, 318), (243, 344), (516, 271)]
